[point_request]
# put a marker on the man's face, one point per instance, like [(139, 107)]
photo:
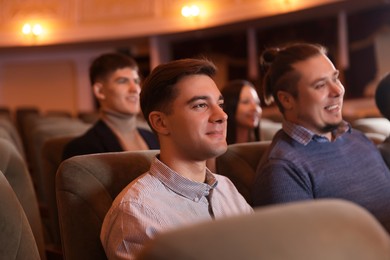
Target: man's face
[(197, 123), (318, 106), (121, 92)]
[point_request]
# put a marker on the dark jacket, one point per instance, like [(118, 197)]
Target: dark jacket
[(101, 139)]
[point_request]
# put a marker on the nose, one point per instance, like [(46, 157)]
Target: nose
[(337, 89), (218, 115), (134, 86)]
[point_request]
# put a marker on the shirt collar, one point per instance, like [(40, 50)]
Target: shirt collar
[(181, 185), (303, 135)]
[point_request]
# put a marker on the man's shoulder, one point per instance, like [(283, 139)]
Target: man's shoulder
[(146, 185)]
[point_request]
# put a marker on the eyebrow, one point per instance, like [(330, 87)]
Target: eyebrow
[(202, 98), (335, 73)]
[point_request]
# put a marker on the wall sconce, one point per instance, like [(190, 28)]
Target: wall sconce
[(34, 30), (190, 11)]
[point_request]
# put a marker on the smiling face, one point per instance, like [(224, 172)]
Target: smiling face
[(248, 110), (196, 125), (318, 106), (119, 92)]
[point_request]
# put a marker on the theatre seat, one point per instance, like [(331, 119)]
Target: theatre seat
[(321, 230), (239, 164), (86, 186), (15, 170), (16, 238)]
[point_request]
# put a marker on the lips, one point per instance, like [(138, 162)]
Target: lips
[(332, 107), (132, 98)]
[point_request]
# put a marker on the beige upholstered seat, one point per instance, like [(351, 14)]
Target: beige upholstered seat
[(86, 187), (10, 132), (320, 229), (16, 238), (42, 129), (51, 160), (15, 170), (239, 164)]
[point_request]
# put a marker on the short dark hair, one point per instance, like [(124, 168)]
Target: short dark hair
[(231, 95), (107, 63), (159, 89), (382, 96), (278, 72)]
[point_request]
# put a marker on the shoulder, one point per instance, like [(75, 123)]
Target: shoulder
[(83, 144), (150, 138), (139, 190)]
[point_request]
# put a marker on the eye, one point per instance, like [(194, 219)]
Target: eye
[(122, 80), (245, 101), (200, 105), (137, 81), (319, 85)]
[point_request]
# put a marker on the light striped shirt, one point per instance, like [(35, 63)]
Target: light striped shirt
[(161, 200)]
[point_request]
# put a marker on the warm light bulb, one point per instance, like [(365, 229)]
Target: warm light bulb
[(26, 28), (37, 29), (195, 10), (188, 11), (185, 11)]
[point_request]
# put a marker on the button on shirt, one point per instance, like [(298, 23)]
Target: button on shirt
[(162, 199)]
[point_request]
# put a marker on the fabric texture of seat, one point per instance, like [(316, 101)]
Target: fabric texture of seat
[(15, 170), (11, 133), (321, 230), (86, 186), (16, 237), (239, 164), (44, 129), (51, 160)]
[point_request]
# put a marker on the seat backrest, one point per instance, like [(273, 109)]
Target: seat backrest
[(16, 238), (15, 170), (319, 229), (44, 129), (239, 164), (11, 133), (51, 160), (86, 186)]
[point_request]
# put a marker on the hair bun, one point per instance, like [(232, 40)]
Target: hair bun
[(269, 56)]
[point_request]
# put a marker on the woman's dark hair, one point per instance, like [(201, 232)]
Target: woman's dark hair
[(277, 69), (231, 94)]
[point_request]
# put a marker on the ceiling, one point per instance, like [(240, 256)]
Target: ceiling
[(99, 21)]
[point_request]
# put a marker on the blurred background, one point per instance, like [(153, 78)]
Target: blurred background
[(46, 45)]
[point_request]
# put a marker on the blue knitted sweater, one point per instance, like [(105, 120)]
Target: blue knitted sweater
[(349, 168)]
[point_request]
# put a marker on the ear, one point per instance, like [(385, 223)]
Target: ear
[(98, 91), (286, 99), (158, 122)]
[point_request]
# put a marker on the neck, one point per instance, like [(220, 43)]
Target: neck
[(192, 170), (119, 122), (243, 135)]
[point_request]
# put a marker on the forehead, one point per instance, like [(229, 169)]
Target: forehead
[(247, 91), (196, 85), (314, 68), (123, 72)]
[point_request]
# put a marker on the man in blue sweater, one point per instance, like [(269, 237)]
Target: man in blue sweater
[(316, 154)]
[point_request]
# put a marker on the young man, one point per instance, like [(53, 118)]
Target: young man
[(183, 106), (316, 154), (116, 85)]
